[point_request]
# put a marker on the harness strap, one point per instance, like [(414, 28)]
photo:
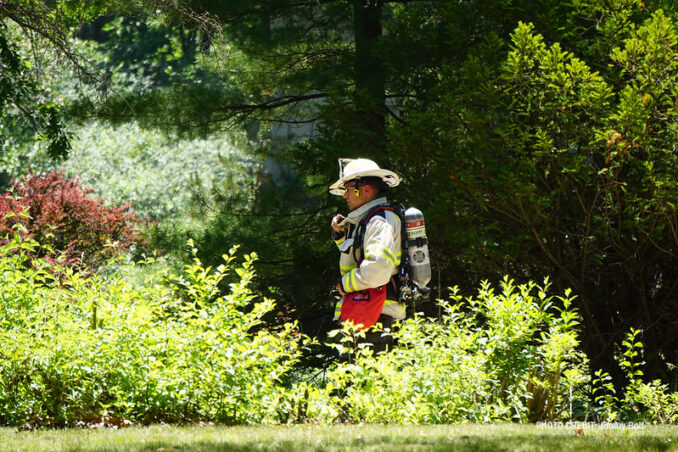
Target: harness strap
[(360, 232), (393, 286)]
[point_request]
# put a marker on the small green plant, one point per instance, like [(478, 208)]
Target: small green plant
[(650, 402), (631, 363), (605, 396)]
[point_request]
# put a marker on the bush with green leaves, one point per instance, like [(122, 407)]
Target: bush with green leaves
[(511, 355), (102, 348), (647, 401), (93, 349)]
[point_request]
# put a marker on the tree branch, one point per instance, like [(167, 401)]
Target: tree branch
[(273, 103), (36, 20)]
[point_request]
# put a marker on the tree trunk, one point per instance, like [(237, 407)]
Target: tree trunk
[(369, 76)]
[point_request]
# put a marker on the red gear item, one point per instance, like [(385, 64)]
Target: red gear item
[(363, 307)]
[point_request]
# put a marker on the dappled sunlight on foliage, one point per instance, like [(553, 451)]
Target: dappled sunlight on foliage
[(98, 349), (155, 171), (106, 349), (556, 156), (511, 355), (539, 138)]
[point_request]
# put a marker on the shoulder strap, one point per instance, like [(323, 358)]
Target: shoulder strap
[(362, 225)]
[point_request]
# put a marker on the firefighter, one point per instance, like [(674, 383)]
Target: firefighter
[(370, 250)]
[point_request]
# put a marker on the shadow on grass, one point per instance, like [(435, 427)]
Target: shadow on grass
[(463, 444), (506, 437)]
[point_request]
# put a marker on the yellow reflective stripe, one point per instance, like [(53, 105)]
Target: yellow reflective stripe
[(343, 269), (388, 254), (399, 256), (346, 282), (384, 252), (337, 309), (388, 302), (353, 287), (340, 241)]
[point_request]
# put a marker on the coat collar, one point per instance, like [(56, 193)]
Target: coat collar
[(355, 215)]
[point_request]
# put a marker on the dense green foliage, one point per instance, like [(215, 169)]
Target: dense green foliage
[(511, 355), (88, 349), (546, 133), (538, 139), (27, 112), (174, 348), (543, 165), (159, 175)]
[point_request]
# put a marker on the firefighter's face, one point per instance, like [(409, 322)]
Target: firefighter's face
[(355, 195)]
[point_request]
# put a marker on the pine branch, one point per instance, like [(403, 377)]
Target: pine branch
[(273, 103)]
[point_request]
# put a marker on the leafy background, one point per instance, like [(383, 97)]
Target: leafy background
[(538, 139)]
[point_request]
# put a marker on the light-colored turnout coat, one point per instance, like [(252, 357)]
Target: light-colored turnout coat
[(382, 254)]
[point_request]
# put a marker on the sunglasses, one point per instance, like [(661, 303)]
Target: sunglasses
[(350, 186)]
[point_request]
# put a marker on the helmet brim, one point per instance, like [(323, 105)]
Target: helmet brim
[(389, 177)]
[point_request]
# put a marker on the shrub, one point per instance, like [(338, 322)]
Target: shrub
[(500, 356), (60, 214), (98, 349), (638, 400)]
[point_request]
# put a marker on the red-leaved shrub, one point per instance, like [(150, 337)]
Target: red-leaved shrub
[(57, 211)]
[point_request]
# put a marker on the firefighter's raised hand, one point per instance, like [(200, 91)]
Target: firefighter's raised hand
[(335, 223)]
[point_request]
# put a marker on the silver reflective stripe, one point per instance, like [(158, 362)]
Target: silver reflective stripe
[(346, 245)]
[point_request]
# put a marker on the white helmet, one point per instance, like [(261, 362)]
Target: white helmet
[(350, 169)]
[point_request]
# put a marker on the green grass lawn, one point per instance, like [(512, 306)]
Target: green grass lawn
[(498, 437)]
